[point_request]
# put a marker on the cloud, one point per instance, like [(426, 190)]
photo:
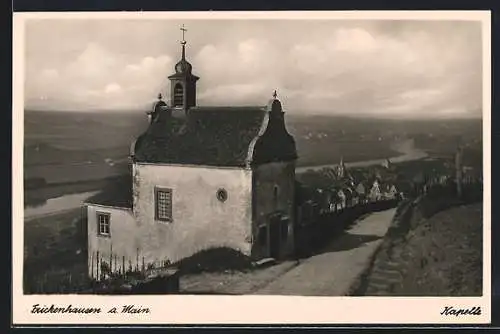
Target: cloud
[(88, 75), (49, 74), (355, 40), (94, 63), (331, 67), (354, 69), (234, 94), (113, 88)]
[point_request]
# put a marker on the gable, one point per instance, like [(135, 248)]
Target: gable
[(274, 143)]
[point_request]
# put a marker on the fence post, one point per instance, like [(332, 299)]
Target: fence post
[(101, 274), (92, 265), (137, 260), (97, 269), (111, 259)]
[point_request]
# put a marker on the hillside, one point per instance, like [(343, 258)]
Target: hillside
[(441, 256)]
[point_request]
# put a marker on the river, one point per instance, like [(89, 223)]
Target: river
[(73, 201), (406, 148), (57, 204)]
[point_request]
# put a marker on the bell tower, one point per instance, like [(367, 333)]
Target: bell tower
[(183, 82)]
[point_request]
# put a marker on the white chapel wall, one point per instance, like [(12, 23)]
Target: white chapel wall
[(200, 219), (117, 248)]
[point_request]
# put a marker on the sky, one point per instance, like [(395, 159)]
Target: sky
[(338, 67)]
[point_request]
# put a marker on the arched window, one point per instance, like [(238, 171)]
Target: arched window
[(178, 95)]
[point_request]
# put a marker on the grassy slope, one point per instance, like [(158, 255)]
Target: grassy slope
[(445, 254), (54, 249), (439, 256)]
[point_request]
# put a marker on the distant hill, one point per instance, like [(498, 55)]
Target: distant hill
[(46, 154), (81, 130), (57, 137)]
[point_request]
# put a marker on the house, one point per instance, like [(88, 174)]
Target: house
[(202, 177), (390, 192), (443, 179), (329, 200), (342, 200), (361, 191), (329, 172), (470, 175), (355, 200), (387, 164), (349, 196), (375, 193)]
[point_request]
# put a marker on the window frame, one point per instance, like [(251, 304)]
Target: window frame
[(178, 98), (100, 214), (157, 191)]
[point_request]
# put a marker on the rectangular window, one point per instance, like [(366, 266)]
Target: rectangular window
[(103, 224), (163, 204)]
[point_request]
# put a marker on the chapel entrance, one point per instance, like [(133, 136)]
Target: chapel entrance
[(278, 234), (274, 237)]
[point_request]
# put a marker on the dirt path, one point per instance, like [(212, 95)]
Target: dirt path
[(332, 272)]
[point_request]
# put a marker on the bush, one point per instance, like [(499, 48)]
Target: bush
[(214, 260)]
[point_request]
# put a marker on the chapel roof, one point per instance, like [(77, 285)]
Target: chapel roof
[(216, 136)]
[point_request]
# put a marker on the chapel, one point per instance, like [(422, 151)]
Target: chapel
[(202, 177)]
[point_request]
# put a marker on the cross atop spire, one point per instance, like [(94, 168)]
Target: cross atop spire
[(275, 95), (160, 96), (183, 42)]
